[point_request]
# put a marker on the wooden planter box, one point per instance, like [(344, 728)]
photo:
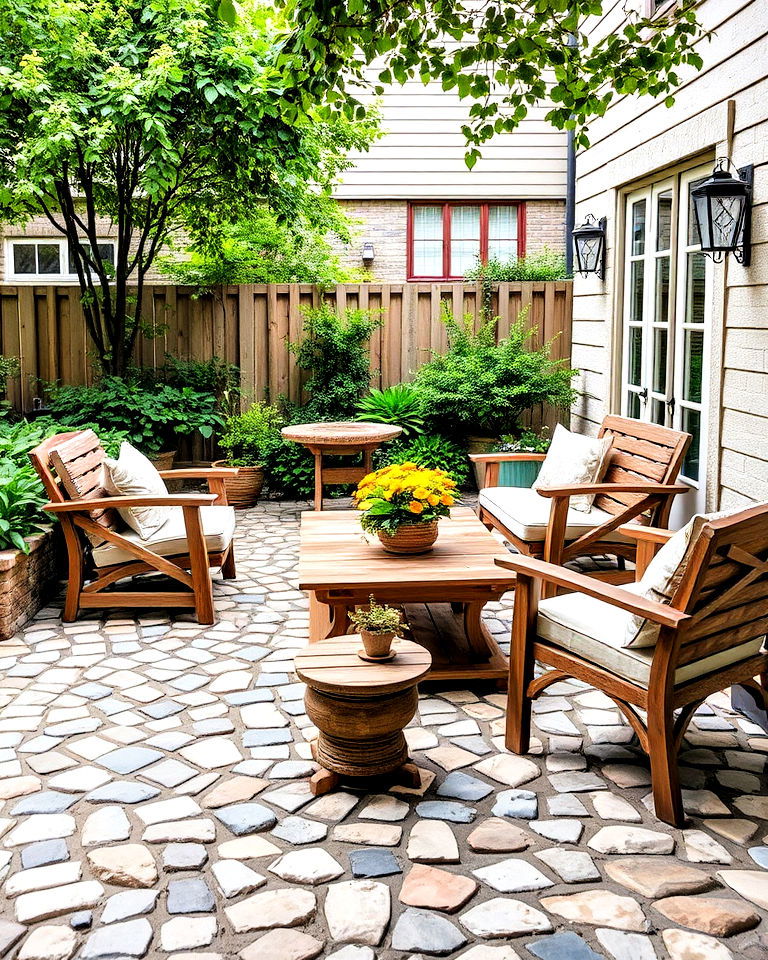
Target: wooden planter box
[(27, 581)]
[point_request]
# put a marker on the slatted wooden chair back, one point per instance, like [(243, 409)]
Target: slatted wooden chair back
[(725, 585), (641, 452), (70, 466)]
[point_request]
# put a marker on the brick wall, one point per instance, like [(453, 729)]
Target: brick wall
[(27, 581), (384, 224)]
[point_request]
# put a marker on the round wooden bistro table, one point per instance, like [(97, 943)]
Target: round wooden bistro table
[(340, 439), (360, 709)]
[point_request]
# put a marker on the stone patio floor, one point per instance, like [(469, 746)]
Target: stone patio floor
[(153, 779)]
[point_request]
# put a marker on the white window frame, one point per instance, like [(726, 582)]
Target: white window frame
[(61, 242)]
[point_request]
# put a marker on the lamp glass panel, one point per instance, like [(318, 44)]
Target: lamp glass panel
[(726, 221), (693, 231)]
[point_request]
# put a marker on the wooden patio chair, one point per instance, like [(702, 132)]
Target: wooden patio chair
[(195, 538), (711, 635), (639, 484)]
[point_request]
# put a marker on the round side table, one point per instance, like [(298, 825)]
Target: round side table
[(340, 439), (360, 709)]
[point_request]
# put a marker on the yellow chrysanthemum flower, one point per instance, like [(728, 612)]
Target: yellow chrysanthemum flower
[(415, 507)]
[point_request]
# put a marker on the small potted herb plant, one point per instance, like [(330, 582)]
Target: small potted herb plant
[(248, 439), (378, 626), (522, 473)]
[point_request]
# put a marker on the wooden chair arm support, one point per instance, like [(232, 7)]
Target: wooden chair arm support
[(506, 457), (104, 503), (660, 613), (634, 531), (575, 489), (200, 473)]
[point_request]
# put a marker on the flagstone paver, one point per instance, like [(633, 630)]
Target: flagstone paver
[(154, 802)]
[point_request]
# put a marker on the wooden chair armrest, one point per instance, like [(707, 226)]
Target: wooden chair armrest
[(506, 457), (199, 473), (106, 503), (660, 613), (635, 531), (574, 489)]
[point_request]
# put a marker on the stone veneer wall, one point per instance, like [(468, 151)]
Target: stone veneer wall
[(384, 223), (28, 580)]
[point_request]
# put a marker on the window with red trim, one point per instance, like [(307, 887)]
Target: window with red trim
[(445, 240)]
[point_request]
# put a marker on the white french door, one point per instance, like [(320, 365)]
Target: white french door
[(666, 322)]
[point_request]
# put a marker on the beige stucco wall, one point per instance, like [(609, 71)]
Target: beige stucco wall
[(721, 110)]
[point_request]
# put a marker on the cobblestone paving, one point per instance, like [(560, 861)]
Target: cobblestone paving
[(153, 780)]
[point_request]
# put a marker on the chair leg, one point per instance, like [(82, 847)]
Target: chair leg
[(75, 576), (198, 561), (667, 797), (518, 734), (228, 568)]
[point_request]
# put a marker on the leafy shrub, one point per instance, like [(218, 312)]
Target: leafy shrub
[(214, 376), (334, 350), (290, 469), (547, 265), (21, 501), (153, 418), (17, 439), (431, 451), (479, 386), (250, 437), (398, 405), (528, 442)]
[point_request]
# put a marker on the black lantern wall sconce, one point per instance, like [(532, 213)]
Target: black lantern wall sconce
[(722, 207), (589, 246)]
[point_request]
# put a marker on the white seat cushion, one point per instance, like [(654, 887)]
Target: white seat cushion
[(526, 514), (171, 539), (595, 631)]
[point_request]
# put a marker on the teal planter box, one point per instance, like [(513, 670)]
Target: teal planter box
[(519, 473)]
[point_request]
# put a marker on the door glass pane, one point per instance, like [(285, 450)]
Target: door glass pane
[(633, 406), (695, 293), (660, 361), (658, 412), (636, 290), (692, 425), (693, 361), (693, 231), (634, 374), (664, 220), (24, 258), (638, 228), (48, 258), (428, 223), (428, 258), (661, 308)]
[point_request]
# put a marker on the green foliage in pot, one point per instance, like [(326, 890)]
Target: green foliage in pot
[(529, 441), (250, 437), (398, 405), (479, 386), (154, 419), (334, 351), (378, 618), (430, 450), (21, 501)]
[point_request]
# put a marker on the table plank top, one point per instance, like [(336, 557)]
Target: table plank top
[(336, 553), (341, 433), (333, 665)]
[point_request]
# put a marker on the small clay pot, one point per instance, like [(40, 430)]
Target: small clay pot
[(377, 645)]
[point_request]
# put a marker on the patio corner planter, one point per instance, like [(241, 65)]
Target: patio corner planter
[(244, 490), (28, 580), (519, 474)]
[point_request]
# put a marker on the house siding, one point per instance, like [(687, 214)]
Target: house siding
[(721, 110)]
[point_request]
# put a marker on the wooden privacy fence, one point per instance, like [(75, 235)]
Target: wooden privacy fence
[(252, 324)]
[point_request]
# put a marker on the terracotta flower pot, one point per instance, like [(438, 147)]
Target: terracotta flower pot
[(377, 644), (410, 538), (245, 489)]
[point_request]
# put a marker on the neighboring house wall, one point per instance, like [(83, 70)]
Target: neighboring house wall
[(420, 157), (721, 110)]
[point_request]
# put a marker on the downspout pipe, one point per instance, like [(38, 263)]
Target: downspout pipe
[(570, 202)]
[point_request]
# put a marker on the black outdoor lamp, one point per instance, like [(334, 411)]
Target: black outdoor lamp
[(589, 246), (722, 206)]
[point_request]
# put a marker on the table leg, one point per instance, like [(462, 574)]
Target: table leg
[(474, 629), (318, 480)]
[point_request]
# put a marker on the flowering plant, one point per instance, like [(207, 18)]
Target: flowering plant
[(401, 494)]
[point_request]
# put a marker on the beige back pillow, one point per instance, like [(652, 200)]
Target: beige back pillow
[(572, 458), (132, 475)]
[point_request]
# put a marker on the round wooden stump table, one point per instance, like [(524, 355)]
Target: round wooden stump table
[(360, 709), (340, 439)]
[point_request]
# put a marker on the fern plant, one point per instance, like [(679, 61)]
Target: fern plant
[(398, 405)]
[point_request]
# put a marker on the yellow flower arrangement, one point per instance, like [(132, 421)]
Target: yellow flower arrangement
[(403, 493)]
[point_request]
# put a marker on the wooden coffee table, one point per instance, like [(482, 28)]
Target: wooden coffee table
[(442, 592), (360, 710)]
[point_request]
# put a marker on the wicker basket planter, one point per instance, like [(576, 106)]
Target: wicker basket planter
[(410, 538), (245, 489)]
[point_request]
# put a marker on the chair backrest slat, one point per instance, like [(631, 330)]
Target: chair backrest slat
[(640, 452)]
